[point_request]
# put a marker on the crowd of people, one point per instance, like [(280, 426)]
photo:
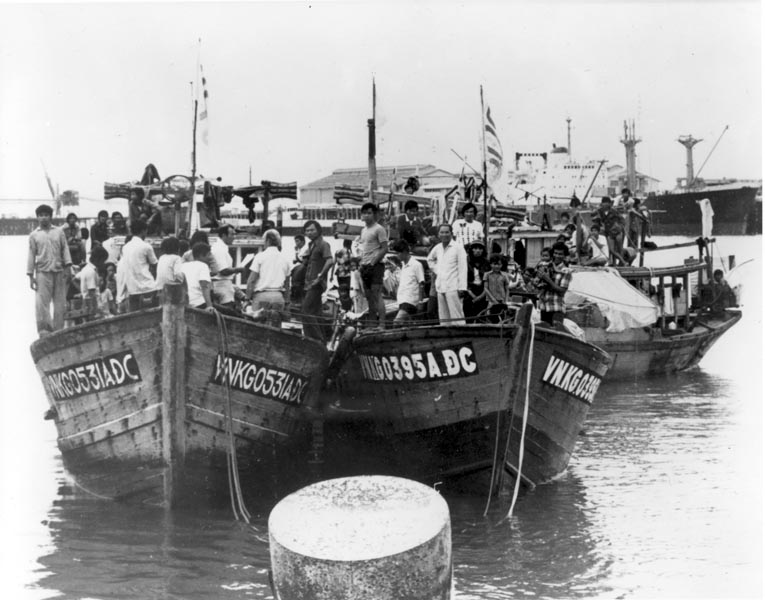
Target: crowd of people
[(465, 283)]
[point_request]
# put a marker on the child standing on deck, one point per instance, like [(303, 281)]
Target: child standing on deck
[(341, 277), (497, 288), (358, 295)]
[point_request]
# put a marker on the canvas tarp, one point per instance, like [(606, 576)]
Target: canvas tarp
[(624, 306)]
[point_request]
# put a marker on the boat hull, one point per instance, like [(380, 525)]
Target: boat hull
[(107, 382), (679, 214), (639, 353), (459, 421)]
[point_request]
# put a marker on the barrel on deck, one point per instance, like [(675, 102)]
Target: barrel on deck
[(361, 537)]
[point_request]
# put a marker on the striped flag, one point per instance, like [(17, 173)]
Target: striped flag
[(204, 121), (492, 148)]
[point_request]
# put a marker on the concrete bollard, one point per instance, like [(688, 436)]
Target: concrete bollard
[(370, 537)]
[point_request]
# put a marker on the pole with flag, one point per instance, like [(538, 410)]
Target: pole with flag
[(492, 159)]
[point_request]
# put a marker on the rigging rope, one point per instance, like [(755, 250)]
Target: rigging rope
[(234, 484), (525, 421)]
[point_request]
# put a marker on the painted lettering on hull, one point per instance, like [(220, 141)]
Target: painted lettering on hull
[(98, 375), (572, 379), (260, 379), (444, 363)]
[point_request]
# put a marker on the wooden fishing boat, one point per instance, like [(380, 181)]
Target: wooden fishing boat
[(149, 405), (645, 336), (446, 403)]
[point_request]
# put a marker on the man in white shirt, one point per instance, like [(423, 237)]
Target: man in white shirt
[(223, 280), (137, 257), (411, 283), (269, 283), (597, 248), (448, 262), (198, 280), (467, 230)]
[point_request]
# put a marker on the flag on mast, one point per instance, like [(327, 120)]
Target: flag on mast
[(204, 120), (492, 147)]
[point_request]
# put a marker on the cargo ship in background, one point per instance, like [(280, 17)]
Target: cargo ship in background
[(733, 201)]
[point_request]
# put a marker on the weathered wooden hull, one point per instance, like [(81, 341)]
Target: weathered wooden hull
[(641, 353), (460, 420), (120, 404)]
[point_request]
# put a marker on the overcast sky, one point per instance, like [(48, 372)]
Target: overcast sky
[(97, 91)]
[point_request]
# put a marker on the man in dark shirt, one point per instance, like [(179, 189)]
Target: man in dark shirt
[(612, 225), (99, 232), (317, 262), (410, 227)]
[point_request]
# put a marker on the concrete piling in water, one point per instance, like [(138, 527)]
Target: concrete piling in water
[(360, 538)]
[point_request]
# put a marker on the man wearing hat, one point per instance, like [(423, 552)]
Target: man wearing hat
[(49, 269)]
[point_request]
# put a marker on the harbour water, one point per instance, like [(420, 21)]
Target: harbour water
[(663, 497)]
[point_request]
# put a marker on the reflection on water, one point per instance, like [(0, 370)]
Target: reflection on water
[(112, 550), (662, 497)]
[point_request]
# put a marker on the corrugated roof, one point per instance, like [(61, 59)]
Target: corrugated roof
[(360, 176)]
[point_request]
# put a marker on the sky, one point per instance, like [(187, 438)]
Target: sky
[(96, 91)]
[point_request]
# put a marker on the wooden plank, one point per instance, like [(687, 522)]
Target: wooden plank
[(173, 392)]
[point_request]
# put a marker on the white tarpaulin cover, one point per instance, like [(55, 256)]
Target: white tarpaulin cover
[(619, 302)]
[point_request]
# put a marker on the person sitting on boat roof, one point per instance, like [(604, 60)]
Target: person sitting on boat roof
[(144, 209), (198, 279), (169, 264), (467, 230), (448, 261), (411, 283), (612, 225), (49, 267), (373, 246), (555, 281), (88, 278), (74, 239), (597, 248), (99, 231), (268, 285), (565, 221), (137, 259), (223, 280), (318, 260), (410, 227), (119, 225)]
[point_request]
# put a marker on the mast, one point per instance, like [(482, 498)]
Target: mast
[(630, 141), (568, 140), (193, 169), (689, 142), (485, 184), (372, 165), (701, 168)]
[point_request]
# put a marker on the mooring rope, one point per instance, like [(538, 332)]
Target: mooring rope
[(496, 436), (234, 485), (525, 421)]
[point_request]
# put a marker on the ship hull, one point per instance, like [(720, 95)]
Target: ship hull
[(461, 423), (141, 403), (679, 214)]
